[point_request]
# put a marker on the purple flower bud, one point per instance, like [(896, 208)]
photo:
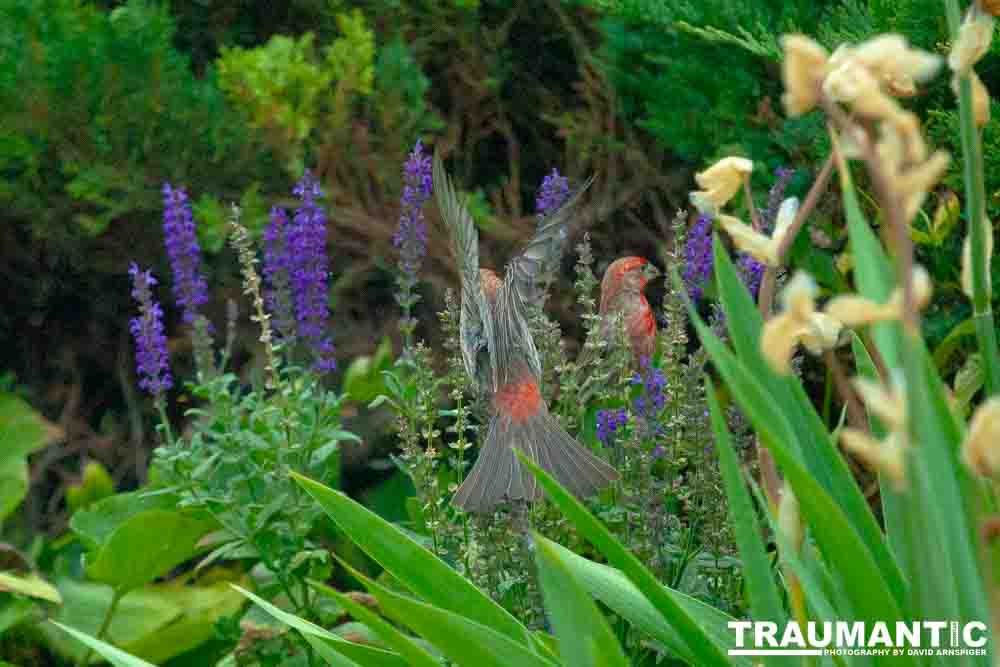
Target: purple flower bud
[(608, 422), (306, 242), (190, 287), (752, 272), (698, 256), (411, 235), (151, 358), (652, 398), (552, 194)]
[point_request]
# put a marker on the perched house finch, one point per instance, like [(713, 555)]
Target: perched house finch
[(621, 292), (501, 360)]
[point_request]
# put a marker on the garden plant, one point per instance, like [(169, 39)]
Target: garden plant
[(786, 418)]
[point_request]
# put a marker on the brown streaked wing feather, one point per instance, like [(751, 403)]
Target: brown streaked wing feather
[(475, 322), (544, 250)]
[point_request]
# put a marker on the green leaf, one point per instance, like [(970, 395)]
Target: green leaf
[(155, 623), (871, 598), (765, 602), (408, 649), (699, 644), (951, 343), (146, 546), (873, 272), (414, 566), (622, 597), (31, 585), (96, 485), (13, 485), (585, 639), (328, 653), (22, 431), (786, 417), (456, 635), (115, 656), (364, 655)]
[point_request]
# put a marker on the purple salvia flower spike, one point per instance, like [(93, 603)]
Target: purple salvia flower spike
[(411, 235), (552, 194), (151, 358), (307, 245), (699, 259), (277, 270), (190, 287)]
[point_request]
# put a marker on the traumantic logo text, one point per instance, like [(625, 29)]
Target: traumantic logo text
[(947, 638)]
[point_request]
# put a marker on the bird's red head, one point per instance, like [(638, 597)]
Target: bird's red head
[(629, 273)]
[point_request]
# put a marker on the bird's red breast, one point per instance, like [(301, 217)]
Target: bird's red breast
[(519, 399), (642, 329)]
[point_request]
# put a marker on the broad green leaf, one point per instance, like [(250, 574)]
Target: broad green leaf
[(408, 649), (13, 485), (414, 566), (622, 597), (115, 656), (96, 485), (95, 524), (364, 655), (694, 636), (22, 431), (146, 546), (155, 623), (585, 639), (200, 606), (458, 637), (765, 602)]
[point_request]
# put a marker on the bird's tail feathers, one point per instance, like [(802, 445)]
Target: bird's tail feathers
[(498, 475)]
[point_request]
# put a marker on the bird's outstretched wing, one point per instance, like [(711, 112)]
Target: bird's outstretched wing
[(475, 321), (541, 256)]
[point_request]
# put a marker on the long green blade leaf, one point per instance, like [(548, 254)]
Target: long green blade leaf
[(705, 650), (414, 566), (585, 639)]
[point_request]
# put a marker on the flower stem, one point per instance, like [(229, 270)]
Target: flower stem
[(975, 196), (105, 624)]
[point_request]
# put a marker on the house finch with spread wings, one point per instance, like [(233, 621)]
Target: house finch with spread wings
[(501, 360)]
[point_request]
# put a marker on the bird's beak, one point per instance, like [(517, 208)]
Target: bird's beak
[(650, 272)]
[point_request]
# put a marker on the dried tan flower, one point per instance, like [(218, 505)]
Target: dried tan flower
[(799, 322), (762, 247), (802, 71), (974, 38), (719, 183), (887, 456), (980, 98), (854, 311), (981, 448)]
